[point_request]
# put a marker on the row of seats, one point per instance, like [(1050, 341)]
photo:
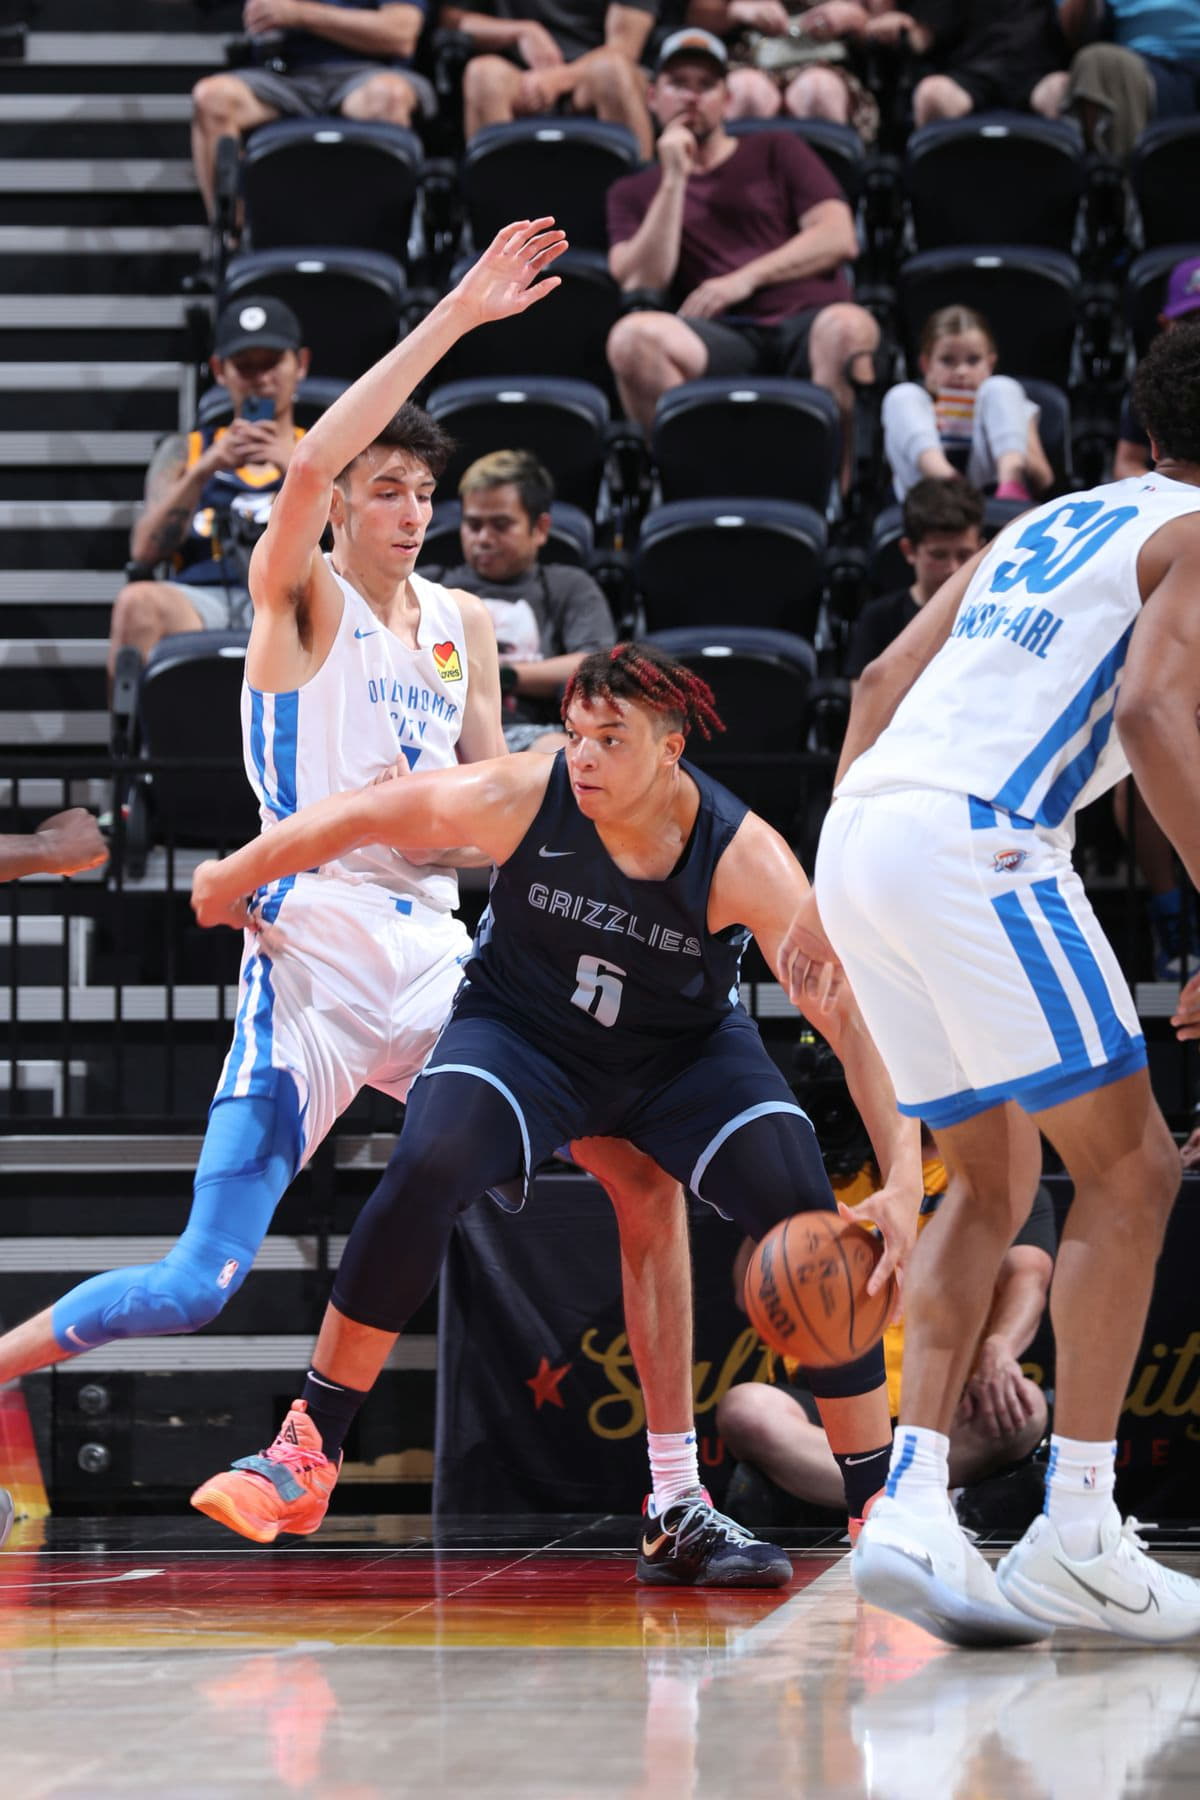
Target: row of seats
[(1001, 177)]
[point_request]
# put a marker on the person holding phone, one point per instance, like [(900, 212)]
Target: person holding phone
[(213, 487)]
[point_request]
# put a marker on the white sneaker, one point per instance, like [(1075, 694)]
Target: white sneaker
[(1120, 1590), (928, 1571)]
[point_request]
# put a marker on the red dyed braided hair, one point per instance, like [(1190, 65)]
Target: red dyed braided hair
[(640, 672)]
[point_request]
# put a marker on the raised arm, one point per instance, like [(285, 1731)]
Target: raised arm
[(760, 884), (490, 804), (505, 281)]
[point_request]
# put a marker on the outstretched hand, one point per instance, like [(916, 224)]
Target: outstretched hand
[(807, 963), (507, 278)]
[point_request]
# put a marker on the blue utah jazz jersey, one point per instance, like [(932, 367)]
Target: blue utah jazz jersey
[(1017, 707), (605, 970)]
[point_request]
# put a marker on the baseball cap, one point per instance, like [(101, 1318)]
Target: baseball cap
[(692, 42), (1183, 289), (257, 322)]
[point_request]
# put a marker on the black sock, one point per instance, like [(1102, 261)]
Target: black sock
[(863, 1474), (331, 1407)]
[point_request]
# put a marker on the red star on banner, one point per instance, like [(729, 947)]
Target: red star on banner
[(545, 1384)]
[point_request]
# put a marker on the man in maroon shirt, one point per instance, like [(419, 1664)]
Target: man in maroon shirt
[(746, 236)]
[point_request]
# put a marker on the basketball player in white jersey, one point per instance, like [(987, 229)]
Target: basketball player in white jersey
[(355, 666), (1063, 656)]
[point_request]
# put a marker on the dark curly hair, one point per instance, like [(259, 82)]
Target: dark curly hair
[(414, 431), (1166, 393), (640, 672)]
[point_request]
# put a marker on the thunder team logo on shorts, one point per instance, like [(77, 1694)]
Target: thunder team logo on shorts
[(1006, 861), (445, 658)]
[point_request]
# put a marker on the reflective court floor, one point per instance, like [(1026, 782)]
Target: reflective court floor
[(520, 1658)]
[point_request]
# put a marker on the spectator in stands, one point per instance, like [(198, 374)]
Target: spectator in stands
[(1183, 299), (1135, 60), (543, 56), (746, 238), (206, 490), (311, 58), (942, 531), (548, 616), (962, 416), (981, 56), (794, 60), (64, 844)]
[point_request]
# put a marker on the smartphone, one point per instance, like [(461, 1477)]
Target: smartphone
[(257, 408)]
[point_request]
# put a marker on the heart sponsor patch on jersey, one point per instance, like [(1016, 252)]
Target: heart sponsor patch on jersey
[(446, 661)]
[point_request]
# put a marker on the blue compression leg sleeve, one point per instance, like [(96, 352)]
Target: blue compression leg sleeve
[(251, 1151)]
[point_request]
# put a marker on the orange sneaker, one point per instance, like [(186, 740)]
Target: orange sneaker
[(285, 1488)]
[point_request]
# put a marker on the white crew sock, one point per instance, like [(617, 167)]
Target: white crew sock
[(919, 1475), (1079, 1489), (674, 1466)]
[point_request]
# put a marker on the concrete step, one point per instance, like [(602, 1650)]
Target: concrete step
[(97, 109), (58, 602), (138, 259), (80, 396), (37, 674), (96, 175), (83, 534), (43, 1091), (50, 730), (40, 939), (53, 449), (46, 653), (94, 328), (125, 49)]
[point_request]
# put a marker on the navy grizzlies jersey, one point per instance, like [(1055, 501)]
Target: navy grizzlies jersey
[(592, 964)]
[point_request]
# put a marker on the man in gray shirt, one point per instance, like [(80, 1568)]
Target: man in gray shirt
[(548, 616)]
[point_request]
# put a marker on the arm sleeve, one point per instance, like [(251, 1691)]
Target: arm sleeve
[(1040, 1229), (581, 618)]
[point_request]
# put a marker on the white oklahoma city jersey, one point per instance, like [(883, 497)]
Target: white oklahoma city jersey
[(372, 699), (350, 975), (1017, 706)]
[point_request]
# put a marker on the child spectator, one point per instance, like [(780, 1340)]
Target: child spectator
[(942, 521), (963, 417)]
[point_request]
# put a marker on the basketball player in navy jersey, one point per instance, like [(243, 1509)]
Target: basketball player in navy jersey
[(600, 998)]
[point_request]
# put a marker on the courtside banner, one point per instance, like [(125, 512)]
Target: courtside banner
[(539, 1409)]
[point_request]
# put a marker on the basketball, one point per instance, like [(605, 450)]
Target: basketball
[(806, 1290)]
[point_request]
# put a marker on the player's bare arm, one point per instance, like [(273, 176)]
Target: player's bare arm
[(1156, 714), (491, 804), (297, 602), (64, 844), (760, 884), (884, 682)]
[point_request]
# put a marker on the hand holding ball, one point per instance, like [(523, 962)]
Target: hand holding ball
[(806, 1290)]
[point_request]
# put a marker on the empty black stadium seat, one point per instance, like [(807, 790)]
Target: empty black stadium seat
[(753, 435), (350, 302), (559, 167), (332, 181), (839, 146), (565, 334), (1019, 177), (1030, 297), (705, 562), (563, 422), (571, 537), (1163, 169)]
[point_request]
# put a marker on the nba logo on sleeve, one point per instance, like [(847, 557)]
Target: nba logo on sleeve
[(445, 657)]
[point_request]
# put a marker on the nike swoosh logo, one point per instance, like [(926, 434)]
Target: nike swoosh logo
[(652, 1549), (922, 1558), (544, 852), (359, 633), (852, 1461), (1107, 1599), (76, 1339)]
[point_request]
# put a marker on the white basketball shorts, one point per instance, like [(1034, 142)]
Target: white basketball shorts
[(976, 959), (344, 985)]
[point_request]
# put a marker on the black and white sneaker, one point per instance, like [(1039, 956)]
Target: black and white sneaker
[(691, 1544)]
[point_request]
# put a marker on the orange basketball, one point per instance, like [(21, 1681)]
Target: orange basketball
[(806, 1290)]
